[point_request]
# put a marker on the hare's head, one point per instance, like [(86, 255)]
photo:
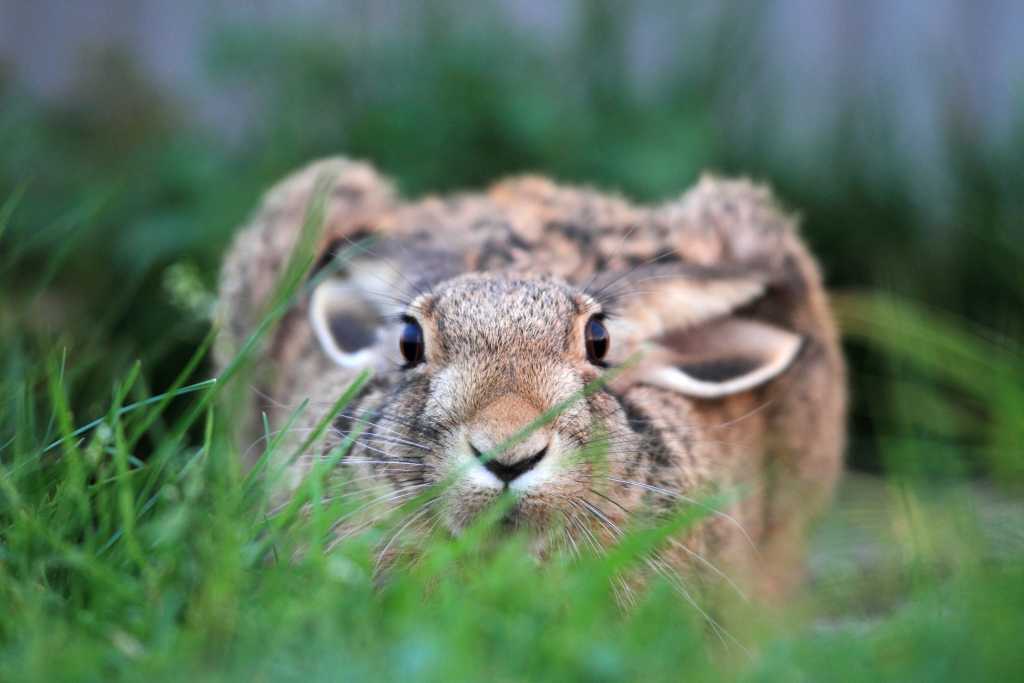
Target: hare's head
[(518, 383)]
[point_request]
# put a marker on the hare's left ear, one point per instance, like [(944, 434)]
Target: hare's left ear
[(345, 322), (691, 340), (348, 314)]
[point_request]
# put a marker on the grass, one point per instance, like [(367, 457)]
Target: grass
[(134, 545)]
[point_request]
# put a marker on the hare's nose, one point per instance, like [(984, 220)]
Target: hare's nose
[(508, 472)]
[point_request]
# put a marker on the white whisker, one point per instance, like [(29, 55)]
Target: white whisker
[(707, 563), (391, 497), (384, 438), (424, 509), (686, 499), (362, 461), (676, 582), (748, 414)]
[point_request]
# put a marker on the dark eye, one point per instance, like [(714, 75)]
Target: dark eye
[(596, 337), (411, 342)]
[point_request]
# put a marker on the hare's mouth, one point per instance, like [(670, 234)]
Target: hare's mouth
[(516, 519), (529, 514), (506, 513)]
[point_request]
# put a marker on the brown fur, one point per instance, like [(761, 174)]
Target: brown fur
[(502, 284)]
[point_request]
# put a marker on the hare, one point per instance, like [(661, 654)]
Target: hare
[(689, 344)]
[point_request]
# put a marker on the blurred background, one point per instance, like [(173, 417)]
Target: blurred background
[(138, 134)]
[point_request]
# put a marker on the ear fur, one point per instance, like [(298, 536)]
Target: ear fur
[(344, 323), (347, 318)]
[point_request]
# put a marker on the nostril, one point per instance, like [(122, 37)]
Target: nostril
[(507, 473), (532, 461)]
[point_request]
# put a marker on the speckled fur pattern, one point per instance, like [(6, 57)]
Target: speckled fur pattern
[(502, 283)]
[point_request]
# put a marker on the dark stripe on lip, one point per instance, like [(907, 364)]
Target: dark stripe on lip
[(352, 419), (652, 444), (345, 422), (409, 387)]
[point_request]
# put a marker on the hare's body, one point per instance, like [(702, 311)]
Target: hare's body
[(727, 379)]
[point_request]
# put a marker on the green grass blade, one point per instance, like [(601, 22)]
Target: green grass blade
[(124, 410)]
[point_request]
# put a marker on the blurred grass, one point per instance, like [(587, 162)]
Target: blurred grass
[(129, 551)]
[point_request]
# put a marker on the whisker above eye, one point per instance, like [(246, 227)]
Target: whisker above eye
[(386, 296), (596, 294), (622, 242), (386, 261)]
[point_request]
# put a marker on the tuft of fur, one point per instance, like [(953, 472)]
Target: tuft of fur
[(503, 283)]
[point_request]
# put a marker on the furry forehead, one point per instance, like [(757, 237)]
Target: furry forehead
[(494, 310)]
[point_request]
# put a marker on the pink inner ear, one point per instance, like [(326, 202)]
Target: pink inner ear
[(722, 357)]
